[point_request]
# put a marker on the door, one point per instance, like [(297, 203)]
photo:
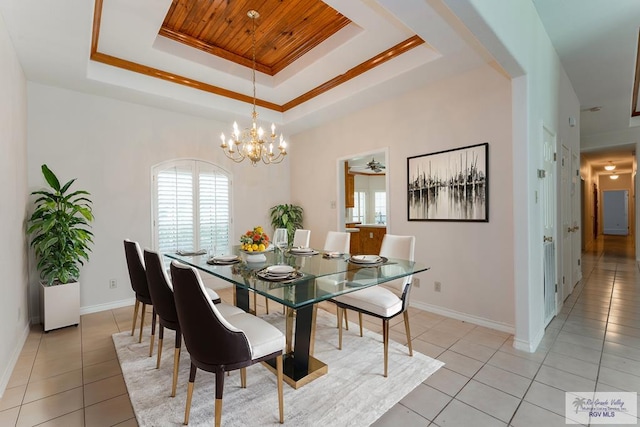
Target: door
[(567, 226), (615, 212), (576, 220), (548, 207)]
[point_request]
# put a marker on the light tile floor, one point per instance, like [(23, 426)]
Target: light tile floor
[(71, 377)]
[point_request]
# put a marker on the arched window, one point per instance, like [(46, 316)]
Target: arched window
[(192, 206)]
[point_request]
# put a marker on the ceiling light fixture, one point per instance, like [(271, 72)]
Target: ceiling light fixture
[(613, 176), (610, 166), (250, 143)]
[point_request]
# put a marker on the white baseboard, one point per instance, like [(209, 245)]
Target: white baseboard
[(6, 375), (107, 306), (480, 321), (529, 346)]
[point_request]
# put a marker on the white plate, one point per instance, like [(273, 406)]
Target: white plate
[(280, 270), (366, 259), (301, 250), (225, 258)]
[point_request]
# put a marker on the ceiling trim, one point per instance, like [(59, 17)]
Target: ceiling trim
[(363, 67), (636, 83)]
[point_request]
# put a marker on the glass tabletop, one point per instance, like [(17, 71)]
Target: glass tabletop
[(312, 278)]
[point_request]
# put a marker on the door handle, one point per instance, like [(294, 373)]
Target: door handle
[(548, 239), (569, 229)]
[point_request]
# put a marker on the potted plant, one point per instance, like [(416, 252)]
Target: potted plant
[(287, 216), (59, 226)]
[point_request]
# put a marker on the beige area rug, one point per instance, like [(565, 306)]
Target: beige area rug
[(353, 393)]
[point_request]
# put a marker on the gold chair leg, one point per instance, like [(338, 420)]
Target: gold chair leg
[(385, 337), (135, 316), (187, 409), (346, 320), (243, 377), (340, 313), (280, 399), (408, 331), (159, 353), (176, 364), (360, 321), (218, 412), (144, 307)]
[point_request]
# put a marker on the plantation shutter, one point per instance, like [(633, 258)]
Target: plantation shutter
[(192, 206)]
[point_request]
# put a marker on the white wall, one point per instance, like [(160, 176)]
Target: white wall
[(14, 313), (473, 261), (110, 147), (512, 32)]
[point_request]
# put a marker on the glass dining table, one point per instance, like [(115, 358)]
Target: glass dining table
[(315, 277)]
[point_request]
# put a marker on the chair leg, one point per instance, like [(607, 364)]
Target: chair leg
[(385, 338), (136, 307), (144, 307), (280, 399), (346, 320), (192, 379), (243, 377), (160, 341), (176, 363), (340, 313), (153, 332), (408, 331), (360, 321), (266, 304), (219, 390)]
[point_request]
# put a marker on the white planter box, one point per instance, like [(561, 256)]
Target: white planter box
[(60, 305)]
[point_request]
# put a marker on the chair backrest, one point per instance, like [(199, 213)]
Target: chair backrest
[(135, 264), (160, 287), (337, 241), (209, 338), (301, 238), (402, 247)]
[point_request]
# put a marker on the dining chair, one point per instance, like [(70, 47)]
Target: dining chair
[(220, 344), (138, 277), (162, 296), (383, 301), (301, 238)]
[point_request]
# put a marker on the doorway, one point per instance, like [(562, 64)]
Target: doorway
[(615, 212)]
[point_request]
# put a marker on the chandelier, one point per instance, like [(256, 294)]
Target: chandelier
[(250, 142)]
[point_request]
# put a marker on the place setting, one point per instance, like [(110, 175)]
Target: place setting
[(224, 260), (279, 273), (302, 251), (367, 260)]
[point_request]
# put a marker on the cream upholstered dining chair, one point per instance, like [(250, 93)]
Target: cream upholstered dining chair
[(337, 241), (384, 301), (218, 343), (138, 277), (165, 308), (301, 238)]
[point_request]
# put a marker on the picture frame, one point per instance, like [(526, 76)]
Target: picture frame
[(450, 185)]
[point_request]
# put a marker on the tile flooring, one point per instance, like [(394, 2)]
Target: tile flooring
[(71, 377)]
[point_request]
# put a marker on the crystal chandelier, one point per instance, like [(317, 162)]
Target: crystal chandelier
[(250, 142)]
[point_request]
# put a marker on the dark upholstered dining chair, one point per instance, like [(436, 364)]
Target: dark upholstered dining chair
[(165, 308), (384, 301), (138, 278), (220, 344)]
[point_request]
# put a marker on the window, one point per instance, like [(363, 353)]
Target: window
[(192, 206), (359, 206), (380, 207)]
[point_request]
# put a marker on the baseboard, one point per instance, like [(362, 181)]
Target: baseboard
[(529, 346), (6, 375), (480, 321), (107, 306)]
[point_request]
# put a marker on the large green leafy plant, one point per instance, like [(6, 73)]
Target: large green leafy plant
[(59, 226), (287, 216)]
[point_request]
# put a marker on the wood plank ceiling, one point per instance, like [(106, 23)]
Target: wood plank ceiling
[(285, 30)]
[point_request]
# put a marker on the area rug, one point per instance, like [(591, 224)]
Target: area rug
[(353, 392)]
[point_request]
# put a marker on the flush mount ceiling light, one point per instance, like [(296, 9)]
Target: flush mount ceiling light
[(610, 166), (613, 176)]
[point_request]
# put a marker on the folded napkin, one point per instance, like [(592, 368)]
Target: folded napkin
[(191, 253), (332, 255)]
